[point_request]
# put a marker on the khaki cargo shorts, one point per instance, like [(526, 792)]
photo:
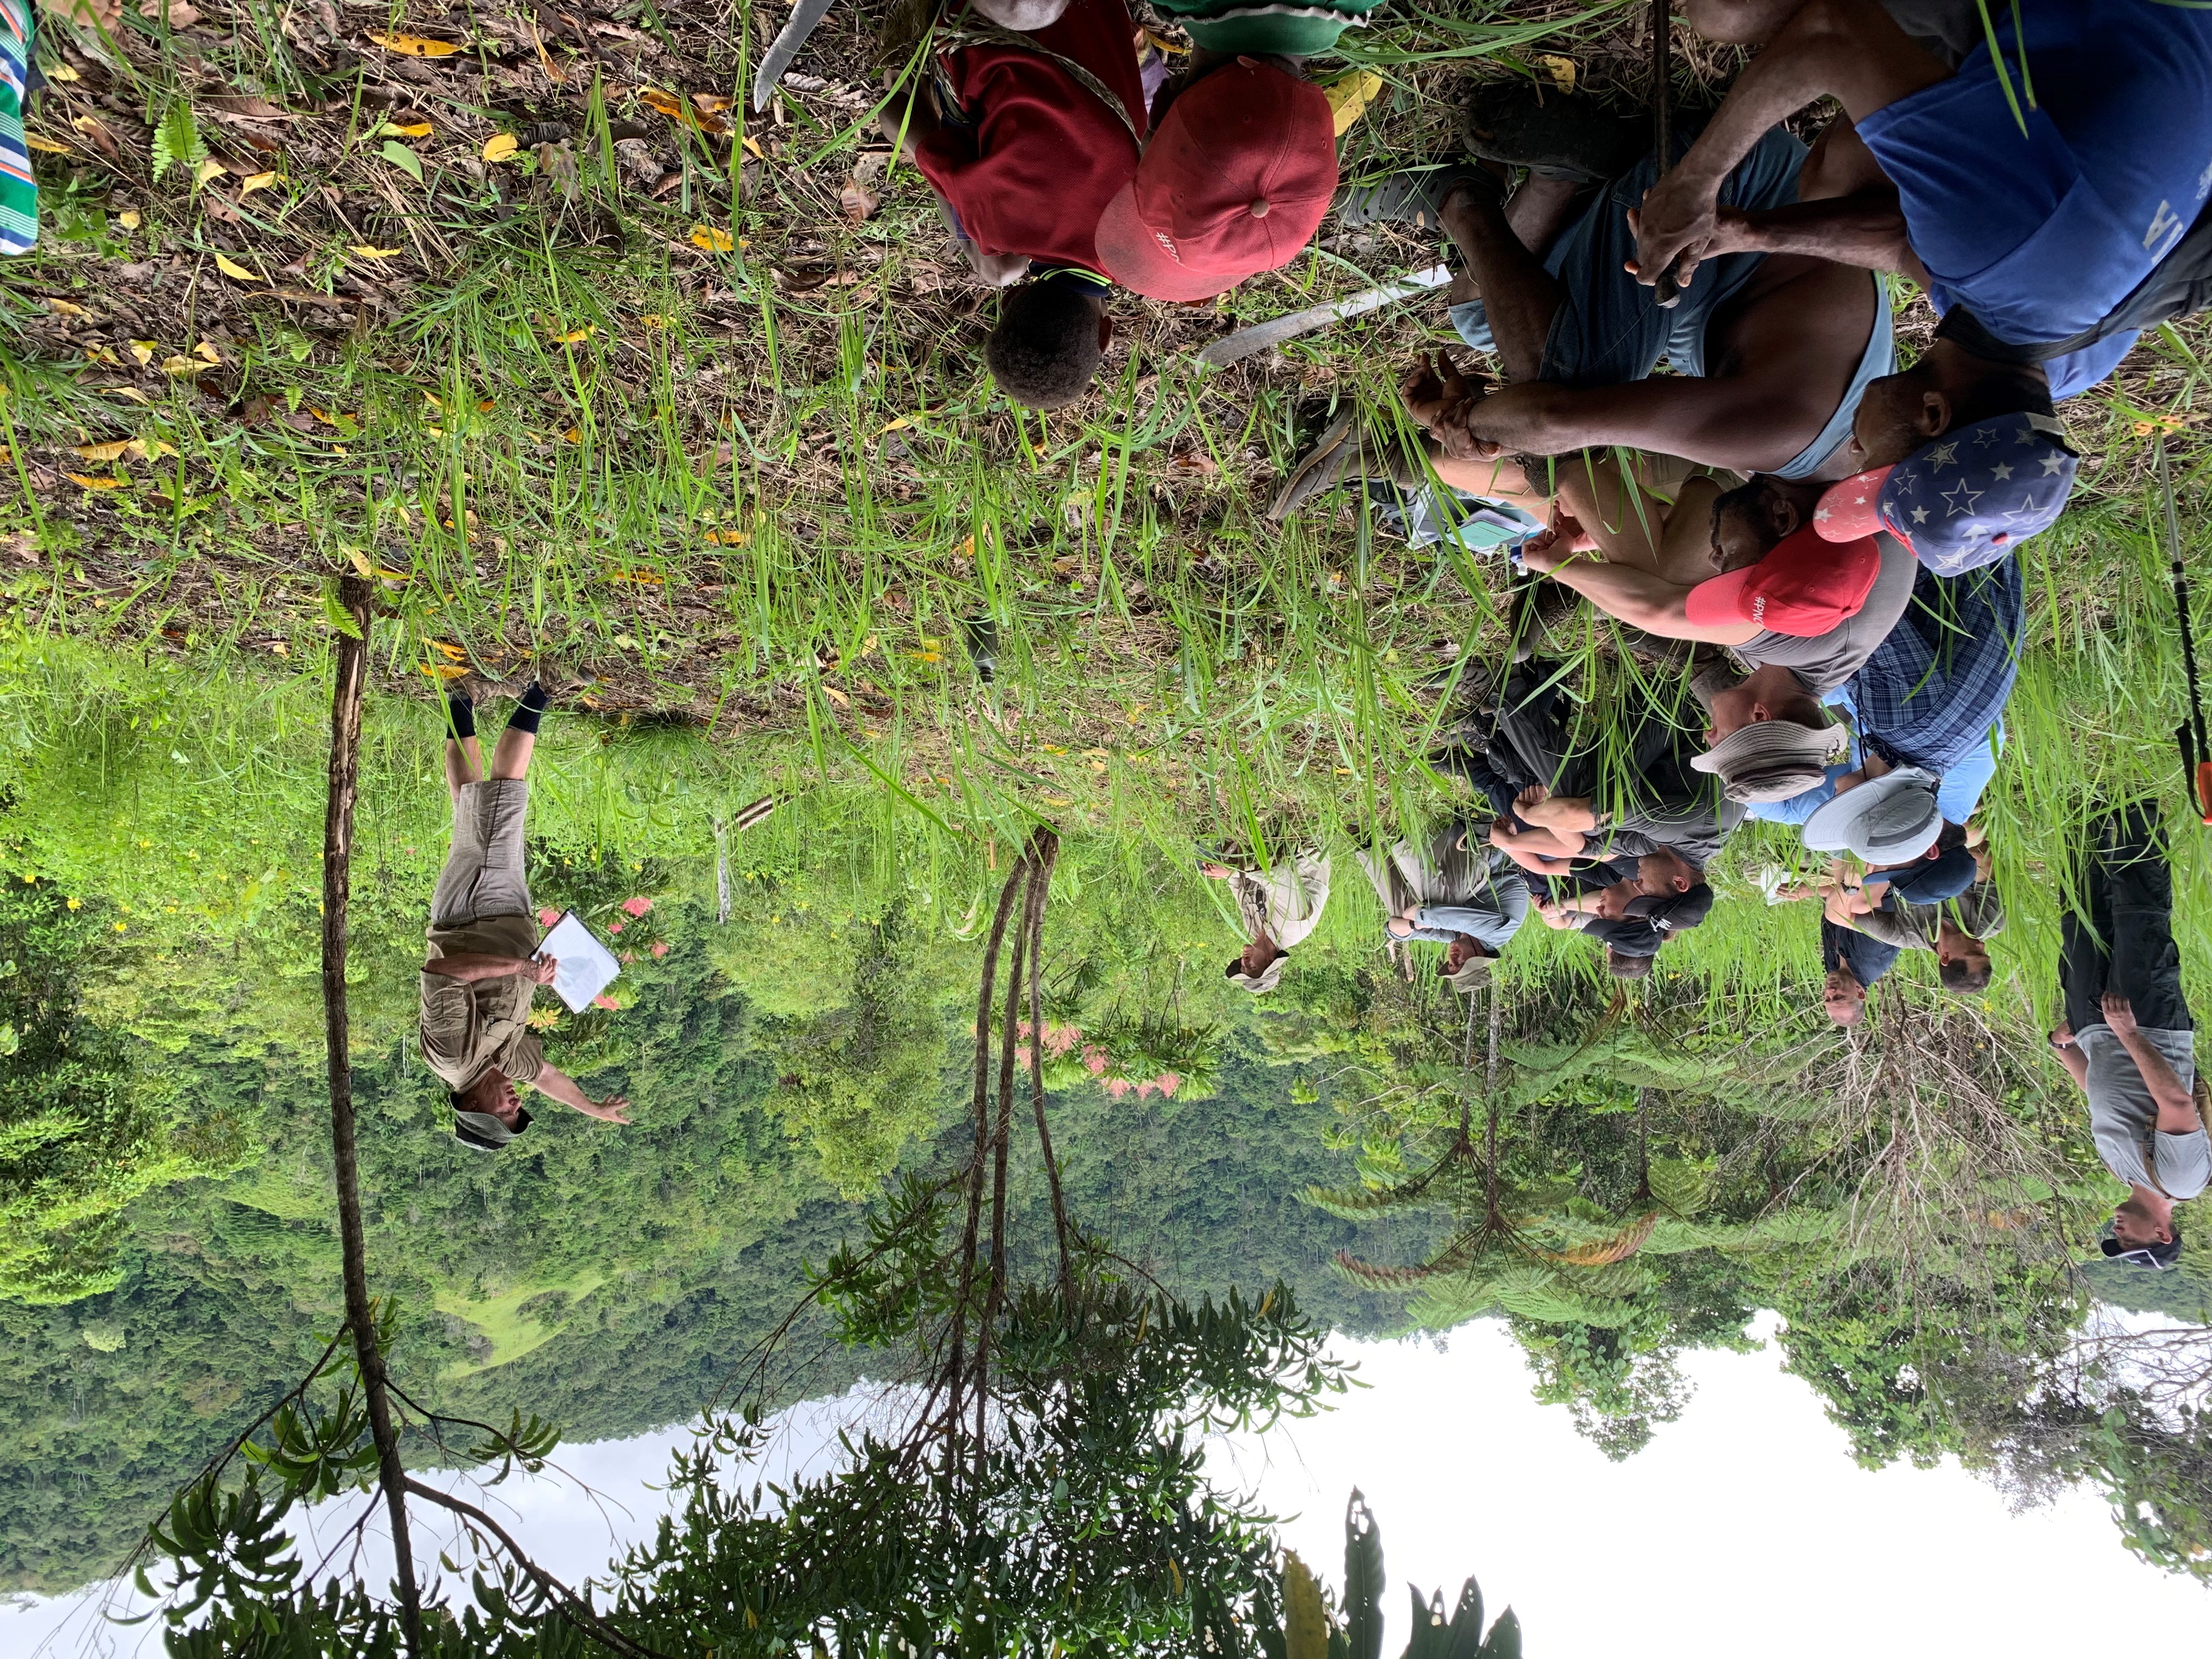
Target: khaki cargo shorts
[(483, 874)]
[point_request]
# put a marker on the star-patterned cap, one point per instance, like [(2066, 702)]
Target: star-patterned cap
[(1963, 499)]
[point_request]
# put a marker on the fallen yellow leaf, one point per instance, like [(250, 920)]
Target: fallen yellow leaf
[(836, 696), (443, 671), (643, 578), (450, 652), (500, 146), (181, 366), (711, 103), (203, 350), (47, 144), (729, 538), (130, 392), (1349, 95), (652, 319), (231, 267), (367, 252), (575, 334), (66, 308), (573, 435), (254, 181), (712, 238), (1560, 70), (359, 560), (91, 482), (414, 45), (410, 129), (144, 351), (208, 169), (106, 451), (130, 219), (753, 144)]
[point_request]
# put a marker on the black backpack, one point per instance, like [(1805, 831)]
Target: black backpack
[(2179, 284)]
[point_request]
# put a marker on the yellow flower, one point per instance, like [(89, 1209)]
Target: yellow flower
[(76, 904)]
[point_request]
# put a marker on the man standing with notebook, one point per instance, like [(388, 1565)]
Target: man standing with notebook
[(483, 966)]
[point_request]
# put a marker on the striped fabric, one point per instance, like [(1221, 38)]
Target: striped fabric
[(19, 191)]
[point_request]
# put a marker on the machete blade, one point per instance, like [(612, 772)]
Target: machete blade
[(804, 18)]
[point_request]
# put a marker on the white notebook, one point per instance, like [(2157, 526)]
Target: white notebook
[(587, 967)]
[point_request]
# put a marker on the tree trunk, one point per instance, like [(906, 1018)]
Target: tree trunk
[(361, 1316)]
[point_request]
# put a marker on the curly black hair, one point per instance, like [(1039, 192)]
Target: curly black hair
[(1045, 349)]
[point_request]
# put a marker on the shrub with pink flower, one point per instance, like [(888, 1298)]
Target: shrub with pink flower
[(614, 927), (636, 907), (546, 917), (660, 947)]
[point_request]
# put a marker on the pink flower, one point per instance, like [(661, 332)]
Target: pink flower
[(1094, 1060), (603, 1000), (1021, 1054), (1145, 1089), (547, 917), (628, 955), (614, 927), (1118, 1087), (661, 949), (1058, 1039), (637, 907), (1168, 1082)]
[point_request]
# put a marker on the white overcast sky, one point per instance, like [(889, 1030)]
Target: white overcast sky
[(1743, 1530)]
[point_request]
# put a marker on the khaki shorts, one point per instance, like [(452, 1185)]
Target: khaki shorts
[(483, 874)]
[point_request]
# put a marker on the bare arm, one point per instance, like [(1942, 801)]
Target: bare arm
[(558, 1085), (1850, 49), (1734, 422), (1867, 230), (1635, 596), (2071, 1056), (469, 968)]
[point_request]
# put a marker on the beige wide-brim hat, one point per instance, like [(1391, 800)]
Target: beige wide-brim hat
[(1264, 981), (1773, 760), (1473, 972)]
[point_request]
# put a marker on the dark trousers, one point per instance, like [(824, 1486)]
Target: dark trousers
[(2121, 937)]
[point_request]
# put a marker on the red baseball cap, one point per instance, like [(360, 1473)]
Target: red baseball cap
[(1803, 587), (1235, 181), (1852, 508)]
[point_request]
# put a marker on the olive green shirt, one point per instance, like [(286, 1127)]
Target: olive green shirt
[(469, 1028)]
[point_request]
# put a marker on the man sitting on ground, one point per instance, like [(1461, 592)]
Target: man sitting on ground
[(484, 963), (1454, 893), (1772, 355), (1801, 612), (1280, 905), (2128, 1040), (1028, 126), (1938, 904), (2104, 168)]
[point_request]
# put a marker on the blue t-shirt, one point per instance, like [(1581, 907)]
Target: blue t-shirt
[(2042, 233)]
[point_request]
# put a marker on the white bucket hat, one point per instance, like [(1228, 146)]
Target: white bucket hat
[(1885, 820)]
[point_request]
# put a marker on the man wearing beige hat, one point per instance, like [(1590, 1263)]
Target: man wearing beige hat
[(1279, 904)]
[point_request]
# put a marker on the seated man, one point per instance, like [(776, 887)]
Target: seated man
[(1024, 137), (1800, 610), (1581, 797), (1927, 694), (2105, 162), (2033, 269), (1772, 355), (2128, 1040), (484, 966), (1940, 904), (1451, 893), (1279, 904)]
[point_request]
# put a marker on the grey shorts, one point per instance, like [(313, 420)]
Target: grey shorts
[(484, 875)]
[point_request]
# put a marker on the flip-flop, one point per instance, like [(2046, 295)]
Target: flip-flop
[(1415, 196), (1555, 135)]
